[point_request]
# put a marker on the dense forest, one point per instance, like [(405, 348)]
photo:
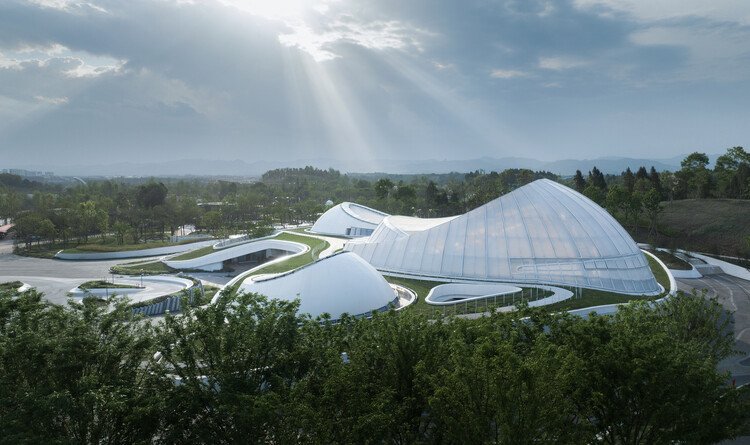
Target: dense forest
[(127, 212), (250, 370)]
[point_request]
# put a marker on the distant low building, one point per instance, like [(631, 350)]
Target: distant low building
[(5, 230)]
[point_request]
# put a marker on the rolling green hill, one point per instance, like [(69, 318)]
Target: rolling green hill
[(720, 226)]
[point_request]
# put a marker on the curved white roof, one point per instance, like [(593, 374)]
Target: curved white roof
[(348, 219), (542, 232), (342, 283), (214, 260)]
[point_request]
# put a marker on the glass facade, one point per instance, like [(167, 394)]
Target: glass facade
[(542, 232)]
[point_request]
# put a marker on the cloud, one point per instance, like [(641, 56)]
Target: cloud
[(376, 35), (442, 66), (507, 74), (299, 78), (83, 69), (52, 100), (48, 77), (68, 5), (734, 11)]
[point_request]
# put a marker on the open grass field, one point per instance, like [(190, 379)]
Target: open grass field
[(719, 226)]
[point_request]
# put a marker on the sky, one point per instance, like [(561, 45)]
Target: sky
[(86, 82)]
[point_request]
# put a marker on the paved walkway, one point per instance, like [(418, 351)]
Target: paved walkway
[(55, 278), (6, 246), (734, 295), (153, 287)]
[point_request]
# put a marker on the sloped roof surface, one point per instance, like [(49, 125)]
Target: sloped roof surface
[(339, 218), (541, 232)]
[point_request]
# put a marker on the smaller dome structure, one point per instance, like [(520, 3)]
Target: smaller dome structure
[(338, 284), (329, 203), (348, 219)]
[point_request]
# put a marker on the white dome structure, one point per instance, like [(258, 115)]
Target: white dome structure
[(338, 284), (542, 232), (348, 219)]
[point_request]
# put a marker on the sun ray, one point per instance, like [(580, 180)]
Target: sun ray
[(471, 115), (337, 109)]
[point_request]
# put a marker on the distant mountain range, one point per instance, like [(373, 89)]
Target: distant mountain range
[(230, 168)]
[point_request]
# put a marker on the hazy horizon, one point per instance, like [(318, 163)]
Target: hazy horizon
[(101, 82)]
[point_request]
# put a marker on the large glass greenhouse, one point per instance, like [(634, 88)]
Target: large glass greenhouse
[(542, 232)]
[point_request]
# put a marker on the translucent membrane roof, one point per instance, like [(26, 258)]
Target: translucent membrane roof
[(348, 219), (338, 284), (542, 232)]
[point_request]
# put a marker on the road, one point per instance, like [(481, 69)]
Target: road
[(55, 278), (734, 294)]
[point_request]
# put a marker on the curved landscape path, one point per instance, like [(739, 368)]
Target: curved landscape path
[(55, 278), (734, 294)]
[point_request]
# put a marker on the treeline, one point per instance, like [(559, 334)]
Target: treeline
[(631, 196), (110, 211), (730, 178), (249, 370), (426, 198), (18, 182), (125, 213)]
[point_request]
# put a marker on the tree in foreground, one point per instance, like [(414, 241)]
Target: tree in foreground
[(75, 374), (253, 370), (649, 373)]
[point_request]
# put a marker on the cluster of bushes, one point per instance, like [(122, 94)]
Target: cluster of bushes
[(249, 370)]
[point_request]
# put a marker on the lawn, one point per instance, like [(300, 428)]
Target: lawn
[(422, 288), (101, 284), (307, 230), (40, 251), (587, 298), (194, 253), (10, 286), (671, 261), (284, 236), (48, 250), (716, 226), (594, 297), (113, 247), (316, 246), (147, 268)]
